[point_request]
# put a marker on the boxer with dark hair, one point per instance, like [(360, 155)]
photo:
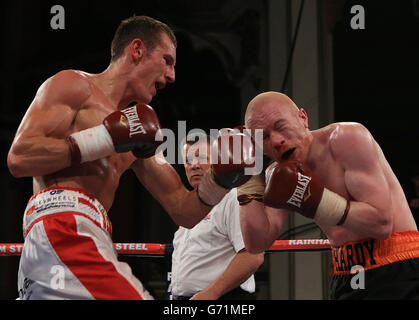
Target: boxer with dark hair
[(78, 136), (145, 28)]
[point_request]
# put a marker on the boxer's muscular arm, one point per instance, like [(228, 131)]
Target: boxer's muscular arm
[(260, 225), (39, 147), (370, 211), (188, 208), (165, 185)]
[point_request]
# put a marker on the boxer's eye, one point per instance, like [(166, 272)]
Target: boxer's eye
[(169, 60)]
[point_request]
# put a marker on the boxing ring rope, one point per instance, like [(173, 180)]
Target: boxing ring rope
[(158, 250)]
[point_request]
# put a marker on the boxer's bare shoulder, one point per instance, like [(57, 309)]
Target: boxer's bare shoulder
[(55, 106), (349, 141), (70, 87), (345, 132)]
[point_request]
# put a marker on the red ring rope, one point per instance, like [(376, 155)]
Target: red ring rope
[(15, 249)]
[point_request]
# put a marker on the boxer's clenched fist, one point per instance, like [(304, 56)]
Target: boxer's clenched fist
[(131, 129), (291, 185), (235, 152), (231, 153)]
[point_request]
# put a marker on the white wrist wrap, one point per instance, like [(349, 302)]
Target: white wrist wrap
[(209, 191), (331, 208), (94, 143)]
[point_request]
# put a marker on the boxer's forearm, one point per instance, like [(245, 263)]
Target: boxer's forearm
[(364, 219), (189, 209), (165, 185), (260, 225), (38, 156)]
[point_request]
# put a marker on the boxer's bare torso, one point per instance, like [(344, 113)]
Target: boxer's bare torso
[(72, 101), (69, 102), (344, 157), (329, 167)]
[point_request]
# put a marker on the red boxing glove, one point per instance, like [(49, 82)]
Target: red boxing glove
[(235, 152), (131, 129), (135, 129), (231, 154), (291, 185)]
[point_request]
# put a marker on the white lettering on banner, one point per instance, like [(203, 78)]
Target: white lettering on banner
[(135, 126), (16, 248), (141, 246), (3, 249), (298, 195), (131, 246), (308, 241)]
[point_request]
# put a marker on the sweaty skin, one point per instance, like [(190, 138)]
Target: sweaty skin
[(71, 101), (68, 102), (344, 157)]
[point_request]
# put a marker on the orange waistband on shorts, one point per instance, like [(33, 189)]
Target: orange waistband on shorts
[(373, 253)]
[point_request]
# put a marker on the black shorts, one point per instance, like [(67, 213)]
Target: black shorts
[(396, 281)]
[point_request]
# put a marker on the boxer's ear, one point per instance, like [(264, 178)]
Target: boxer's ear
[(137, 49), (302, 114)]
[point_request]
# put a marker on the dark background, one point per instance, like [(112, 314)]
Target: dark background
[(376, 79), (375, 83)]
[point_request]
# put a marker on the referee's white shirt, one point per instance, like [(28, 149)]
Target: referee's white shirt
[(203, 253)]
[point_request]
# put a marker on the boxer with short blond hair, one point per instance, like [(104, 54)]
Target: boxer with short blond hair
[(339, 177)]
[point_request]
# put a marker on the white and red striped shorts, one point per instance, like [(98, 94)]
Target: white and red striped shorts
[(68, 252)]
